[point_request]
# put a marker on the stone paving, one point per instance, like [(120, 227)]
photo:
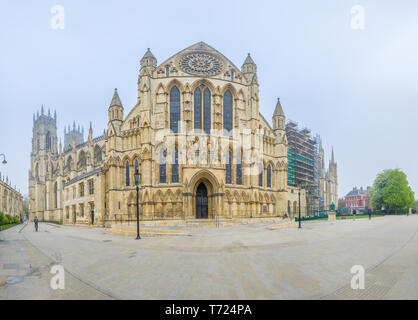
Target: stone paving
[(236, 262)]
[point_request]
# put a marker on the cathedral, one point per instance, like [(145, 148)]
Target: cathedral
[(195, 146)]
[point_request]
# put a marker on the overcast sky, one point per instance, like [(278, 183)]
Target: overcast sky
[(357, 88)]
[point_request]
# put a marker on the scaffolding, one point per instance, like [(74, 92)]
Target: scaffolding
[(303, 163)]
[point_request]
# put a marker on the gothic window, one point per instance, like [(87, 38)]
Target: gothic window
[(48, 141), (163, 166), (232, 75), (56, 195), (228, 168), (268, 176), (167, 71), (97, 154), (82, 162), (227, 113), (175, 167), (202, 109), (260, 175), (127, 173), (239, 169), (174, 109), (136, 166)]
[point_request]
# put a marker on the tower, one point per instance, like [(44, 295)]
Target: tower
[(68, 136), (249, 69), (44, 153), (278, 119), (115, 113)]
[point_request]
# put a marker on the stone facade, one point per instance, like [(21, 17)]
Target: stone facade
[(196, 138), (328, 180), (11, 201)]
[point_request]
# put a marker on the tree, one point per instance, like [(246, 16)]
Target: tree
[(391, 191)]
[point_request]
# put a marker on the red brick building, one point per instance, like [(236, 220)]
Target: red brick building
[(357, 199)]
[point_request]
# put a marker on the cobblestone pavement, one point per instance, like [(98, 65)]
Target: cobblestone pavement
[(238, 262)]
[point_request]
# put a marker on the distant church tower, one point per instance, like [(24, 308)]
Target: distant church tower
[(44, 152)]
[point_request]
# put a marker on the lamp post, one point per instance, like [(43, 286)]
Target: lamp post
[(4, 158), (300, 225), (137, 181)]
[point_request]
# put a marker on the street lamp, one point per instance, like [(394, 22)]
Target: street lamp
[(137, 181), (300, 225), (4, 158)]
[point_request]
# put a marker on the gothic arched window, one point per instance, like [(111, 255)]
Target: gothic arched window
[(239, 169), (228, 168), (175, 166), (268, 176), (128, 180), (202, 109), (163, 166), (48, 141), (97, 154), (227, 113), (174, 109), (56, 195), (260, 175), (136, 171)]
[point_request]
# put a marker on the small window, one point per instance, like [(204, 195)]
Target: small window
[(128, 180), (163, 166), (232, 75), (167, 71)]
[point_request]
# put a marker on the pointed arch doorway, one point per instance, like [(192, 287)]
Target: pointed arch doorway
[(202, 202)]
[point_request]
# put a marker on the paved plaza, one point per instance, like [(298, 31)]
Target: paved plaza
[(237, 262)]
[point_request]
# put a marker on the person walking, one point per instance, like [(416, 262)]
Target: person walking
[(36, 223), (370, 214)]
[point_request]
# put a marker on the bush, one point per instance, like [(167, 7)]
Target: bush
[(5, 220), (1, 217)]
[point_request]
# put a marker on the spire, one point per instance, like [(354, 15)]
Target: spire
[(55, 115), (332, 155), (279, 110), (42, 110), (34, 117), (60, 146), (249, 69), (90, 132), (248, 60), (116, 100), (74, 125), (148, 60)]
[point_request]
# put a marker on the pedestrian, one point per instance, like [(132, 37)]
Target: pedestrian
[(370, 214), (36, 223)]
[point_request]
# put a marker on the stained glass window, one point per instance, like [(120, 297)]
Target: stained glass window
[(260, 175), (228, 168), (163, 166), (239, 169), (202, 109), (127, 174), (197, 109), (174, 109), (268, 176), (227, 113), (175, 167), (207, 111), (136, 171)]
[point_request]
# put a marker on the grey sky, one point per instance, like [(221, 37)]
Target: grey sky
[(356, 88)]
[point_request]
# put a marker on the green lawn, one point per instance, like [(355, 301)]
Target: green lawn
[(7, 226), (359, 217), (344, 217)]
